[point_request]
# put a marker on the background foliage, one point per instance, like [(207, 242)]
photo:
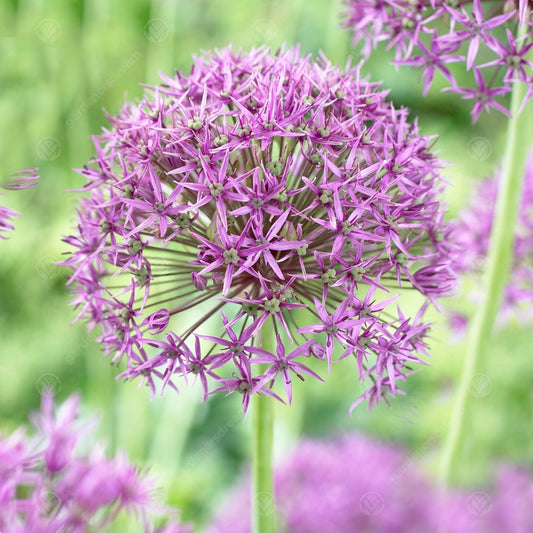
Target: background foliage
[(62, 63)]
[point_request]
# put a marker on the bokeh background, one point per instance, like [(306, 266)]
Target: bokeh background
[(63, 63)]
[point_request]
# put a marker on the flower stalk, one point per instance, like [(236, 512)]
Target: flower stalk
[(518, 144), (263, 502)]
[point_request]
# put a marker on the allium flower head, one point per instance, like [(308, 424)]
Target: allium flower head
[(432, 34), (46, 486), (472, 235), (255, 191)]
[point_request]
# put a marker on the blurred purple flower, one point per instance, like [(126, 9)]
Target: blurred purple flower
[(472, 234), (458, 323), (431, 34), (357, 485), (23, 180), (349, 485), (505, 506), (59, 430), (254, 189), (5, 220), (46, 487)]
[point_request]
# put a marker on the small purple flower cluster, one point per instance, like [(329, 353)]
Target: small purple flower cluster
[(356, 484), (23, 180), (432, 34), (45, 487), (472, 235), (255, 190)]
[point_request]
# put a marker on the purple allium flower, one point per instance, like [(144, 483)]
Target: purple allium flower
[(259, 189), (506, 506), (353, 484), (357, 485), (60, 430), (472, 235), (5, 220), (458, 323), (512, 501), (23, 180), (432, 34), (45, 486)]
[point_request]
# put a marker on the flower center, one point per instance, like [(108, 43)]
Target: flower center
[(231, 256), (195, 368), (244, 387), (513, 61), (329, 276), (216, 189), (195, 124), (272, 305)]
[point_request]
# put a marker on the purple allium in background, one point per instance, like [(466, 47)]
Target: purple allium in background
[(46, 487), (432, 34), (505, 506), (472, 236), (252, 190), (23, 180), (358, 485)]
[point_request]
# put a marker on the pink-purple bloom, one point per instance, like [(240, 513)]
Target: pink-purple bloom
[(472, 234), (47, 486), (431, 35), (23, 180), (260, 190), (6, 216), (358, 485)]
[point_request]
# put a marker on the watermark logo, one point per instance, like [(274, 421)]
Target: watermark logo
[(156, 30), (48, 30), (49, 383), (371, 503), (48, 148), (480, 386), (479, 503), (264, 30), (46, 268), (265, 503), (479, 148)]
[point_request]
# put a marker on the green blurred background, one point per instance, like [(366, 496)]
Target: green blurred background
[(61, 64)]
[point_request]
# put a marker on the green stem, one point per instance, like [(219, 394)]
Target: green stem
[(263, 503), (518, 143)]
